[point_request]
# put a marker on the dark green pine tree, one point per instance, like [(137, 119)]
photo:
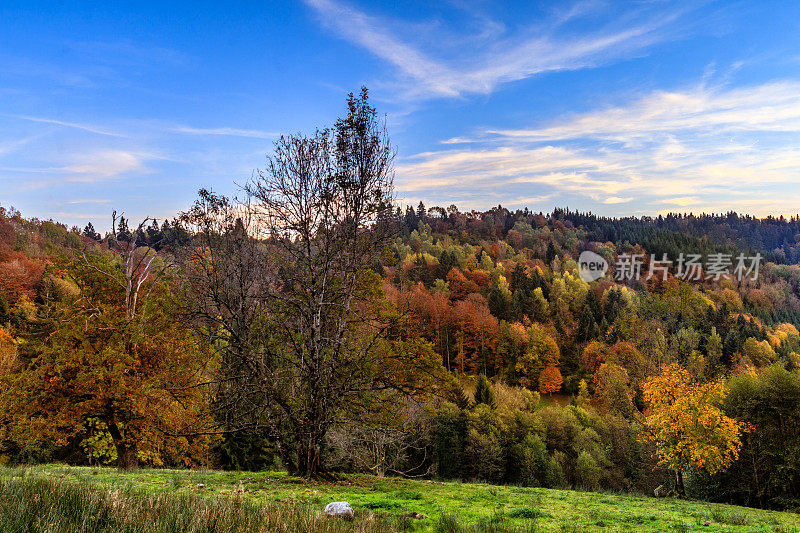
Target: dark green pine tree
[(586, 325), (497, 303), (483, 392), (446, 262), (123, 231), (520, 304), (551, 253), (422, 214), (458, 397), (5, 309), (154, 235), (90, 232)]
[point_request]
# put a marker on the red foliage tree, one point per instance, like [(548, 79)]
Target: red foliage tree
[(595, 354), (20, 277), (477, 331), (480, 278), (460, 286)]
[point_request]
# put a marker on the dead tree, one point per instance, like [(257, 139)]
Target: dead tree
[(137, 264)]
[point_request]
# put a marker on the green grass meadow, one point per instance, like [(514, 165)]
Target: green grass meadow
[(61, 499)]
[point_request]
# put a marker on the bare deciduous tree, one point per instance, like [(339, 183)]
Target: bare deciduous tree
[(283, 281), (228, 270), (319, 202)]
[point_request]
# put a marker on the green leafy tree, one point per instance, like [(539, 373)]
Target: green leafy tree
[(768, 467), (587, 472), (542, 352)]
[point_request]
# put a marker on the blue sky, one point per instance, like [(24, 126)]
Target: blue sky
[(622, 108)]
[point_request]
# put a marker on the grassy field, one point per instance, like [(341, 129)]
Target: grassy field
[(61, 499)]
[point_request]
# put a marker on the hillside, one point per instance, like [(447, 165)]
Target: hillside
[(488, 322)]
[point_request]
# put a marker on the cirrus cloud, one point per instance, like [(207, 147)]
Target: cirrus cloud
[(700, 148), (493, 55)]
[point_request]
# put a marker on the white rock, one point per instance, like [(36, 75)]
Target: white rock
[(340, 509)]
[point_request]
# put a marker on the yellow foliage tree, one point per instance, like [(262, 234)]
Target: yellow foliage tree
[(688, 428), (542, 351)]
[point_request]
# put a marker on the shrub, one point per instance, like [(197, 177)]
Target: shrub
[(587, 473), (483, 447), (483, 392), (450, 429), (531, 461), (524, 512), (554, 475)]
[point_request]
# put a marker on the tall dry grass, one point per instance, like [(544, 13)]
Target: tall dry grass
[(32, 503)]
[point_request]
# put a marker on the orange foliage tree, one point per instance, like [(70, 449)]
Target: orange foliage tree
[(19, 277), (684, 421), (550, 380), (8, 352), (139, 378), (595, 354), (460, 286)]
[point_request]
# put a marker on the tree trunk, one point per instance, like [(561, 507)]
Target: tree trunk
[(312, 459), (679, 488), (309, 456), (285, 453), (127, 456)]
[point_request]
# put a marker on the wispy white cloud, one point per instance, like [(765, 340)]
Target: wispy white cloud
[(494, 57), (369, 33), (458, 140), (617, 200), (84, 127), (87, 168), (96, 166), (682, 201), (233, 132), (8, 147), (69, 215), (772, 107), (701, 148)]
